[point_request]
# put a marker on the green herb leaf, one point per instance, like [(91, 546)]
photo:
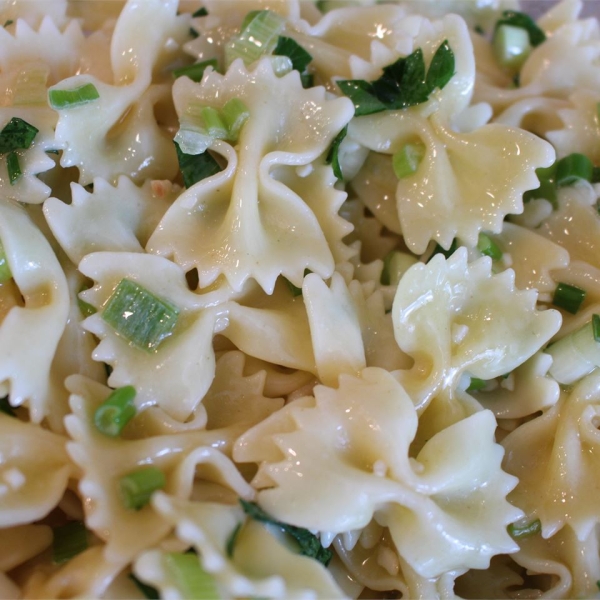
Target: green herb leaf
[(333, 154), (14, 168), (403, 83), (196, 71), (476, 384), (309, 543), (294, 51), (17, 134), (201, 12), (69, 541), (65, 99), (523, 21), (196, 167)]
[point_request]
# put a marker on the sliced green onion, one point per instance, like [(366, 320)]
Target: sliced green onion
[(196, 71), (137, 487), (568, 297), (511, 46), (488, 247), (151, 593), (447, 253), (5, 273), (523, 21), (87, 310), (296, 291), (281, 65), (596, 327), (572, 168), (476, 384), (201, 12), (407, 160), (526, 530), (248, 19), (116, 411), (14, 168), (235, 113), (30, 86), (213, 123), (258, 37), (6, 408), (333, 158), (395, 264), (69, 541), (297, 54), (139, 316), (577, 354), (61, 99), (17, 134), (195, 168), (8, 22), (191, 579), (193, 140)]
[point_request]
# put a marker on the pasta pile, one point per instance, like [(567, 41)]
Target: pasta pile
[(299, 300)]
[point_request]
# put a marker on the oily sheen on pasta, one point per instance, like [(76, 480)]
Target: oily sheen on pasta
[(299, 299)]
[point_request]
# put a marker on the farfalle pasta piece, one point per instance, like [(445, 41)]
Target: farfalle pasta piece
[(122, 135), (177, 374), (342, 444), (33, 474), (533, 258), (452, 317), (110, 218), (334, 327), (21, 543), (555, 458), (234, 223), (275, 572), (104, 460), (30, 333), (458, 189), (34, 11)]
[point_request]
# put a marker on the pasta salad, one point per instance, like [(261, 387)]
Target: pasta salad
[(299, 299)]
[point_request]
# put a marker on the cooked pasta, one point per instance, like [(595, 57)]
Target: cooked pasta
[(299, 300)]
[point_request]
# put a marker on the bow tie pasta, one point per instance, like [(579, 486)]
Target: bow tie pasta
[(299, 299)]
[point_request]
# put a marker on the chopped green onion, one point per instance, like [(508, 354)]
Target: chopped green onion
[(196, 71), (568, 297), (281, 65), (213, 123), (191, 579), (511, 46), (297, 54), (6, 408), (201, 12), (8, 22), (14, 168), (308, 543), (195, 168), (476, 384), (447, 253), (52, 152), (395, 264), (307, 80), (61, 99), (137, 487), (248, 19), (231, 540), (69, 540), (193, 140), (17, 134), (235, 113), (5, 273), (333, 158), (596, 327), (258, 37), (527, 530), (151, 593), (87, 310), (523, 21), (407, 160), (488, 247), (296, 291), (547, 187), (139, 316), (116, 411), (577, 354), (598, 584), (573, 168)]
